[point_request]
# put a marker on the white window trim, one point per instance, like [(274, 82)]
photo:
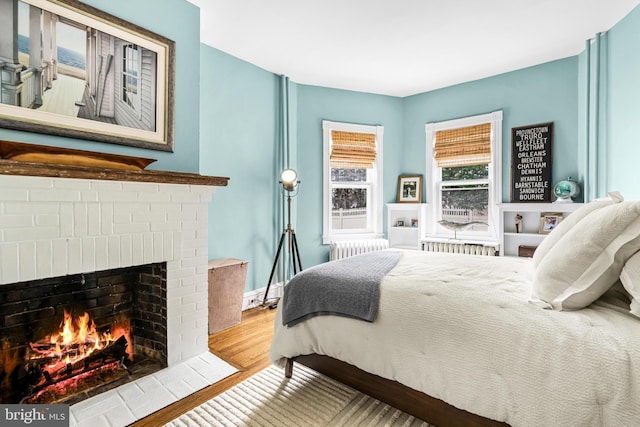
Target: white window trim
[(433, 229), (375, 230)]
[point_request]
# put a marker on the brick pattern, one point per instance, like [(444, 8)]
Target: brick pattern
[(131, 297), (55, 226), (150, 311)]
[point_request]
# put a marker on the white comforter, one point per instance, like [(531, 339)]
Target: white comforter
[(460, 328)]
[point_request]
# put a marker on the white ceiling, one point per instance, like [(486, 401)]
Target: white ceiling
[(402, 47)]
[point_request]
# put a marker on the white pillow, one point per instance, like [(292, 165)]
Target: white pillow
[(571, 220), (589, 258), (630, 278)]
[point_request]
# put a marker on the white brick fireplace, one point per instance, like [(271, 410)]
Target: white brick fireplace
[(53, 227)]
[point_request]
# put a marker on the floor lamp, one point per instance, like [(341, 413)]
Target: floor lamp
[(289, 180)]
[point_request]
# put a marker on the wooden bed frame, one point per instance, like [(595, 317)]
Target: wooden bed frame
[(418, 404)]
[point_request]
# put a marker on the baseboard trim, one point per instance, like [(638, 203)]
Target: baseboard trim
[(254, 298)]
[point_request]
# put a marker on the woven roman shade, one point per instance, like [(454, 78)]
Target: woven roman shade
[(463, 146), (352, 150)]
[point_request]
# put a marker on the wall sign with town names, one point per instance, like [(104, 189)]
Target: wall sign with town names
[(531, 156)]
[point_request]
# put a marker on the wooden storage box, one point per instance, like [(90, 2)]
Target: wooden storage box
[(227, 278), (526, 251)]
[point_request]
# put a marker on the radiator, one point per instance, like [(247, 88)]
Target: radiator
[(459, 248), (347, 248)]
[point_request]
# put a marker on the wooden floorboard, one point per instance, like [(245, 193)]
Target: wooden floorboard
[(244, 346)]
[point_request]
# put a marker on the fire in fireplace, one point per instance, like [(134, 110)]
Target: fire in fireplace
[(75, 349), (51, 354)]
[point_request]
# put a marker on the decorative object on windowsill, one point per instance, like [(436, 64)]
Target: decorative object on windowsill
[(34, 153), (409, 189), (459, 226), (519, 223), (566, 191), (289, 181), (549, 221), (400, 223), (414, 223)]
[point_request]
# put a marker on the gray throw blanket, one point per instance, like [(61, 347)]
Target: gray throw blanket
[(348, 287)]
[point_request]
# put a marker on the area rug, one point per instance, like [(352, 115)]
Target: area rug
[(307, 399)]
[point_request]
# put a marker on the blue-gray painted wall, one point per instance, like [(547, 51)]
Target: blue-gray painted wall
[(623, 107), (314, 105), (240, 140), (228, 115), (540, 94), (546, 92)]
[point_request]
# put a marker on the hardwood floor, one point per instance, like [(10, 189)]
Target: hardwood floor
[(244, 346)]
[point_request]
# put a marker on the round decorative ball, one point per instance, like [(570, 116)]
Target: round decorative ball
[(566, 190)]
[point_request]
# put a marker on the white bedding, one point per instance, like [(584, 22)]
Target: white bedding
[(460, 328)]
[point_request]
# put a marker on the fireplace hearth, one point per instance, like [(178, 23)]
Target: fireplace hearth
[(62, 221), (67, 338)]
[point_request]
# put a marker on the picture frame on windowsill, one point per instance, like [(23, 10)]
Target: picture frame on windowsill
[(409, 189)]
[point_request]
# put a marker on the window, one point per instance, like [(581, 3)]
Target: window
[(352, 196), (131, 76), (464, 163)]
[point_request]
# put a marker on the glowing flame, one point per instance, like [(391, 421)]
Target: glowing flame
[(76, 339)]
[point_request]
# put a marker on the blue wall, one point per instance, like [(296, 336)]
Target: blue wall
[(314, 105), (228, 115), (623, 112), (185, 31), (240, 139), (544, 93), (547, 92)]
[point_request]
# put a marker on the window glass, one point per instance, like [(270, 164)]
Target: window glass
[(466, 203), (348, 175), (465, 172), (349, 208)]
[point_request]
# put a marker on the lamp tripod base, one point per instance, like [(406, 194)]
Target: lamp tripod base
[(295, 256)]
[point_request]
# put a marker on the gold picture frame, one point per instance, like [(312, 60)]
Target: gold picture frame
[(122, 75), (549, 221), (409, 189)]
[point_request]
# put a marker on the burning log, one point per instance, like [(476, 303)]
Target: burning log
[(53, 354), (115, 351), (77, 350)]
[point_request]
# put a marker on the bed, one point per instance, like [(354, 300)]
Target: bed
[(476, 340)]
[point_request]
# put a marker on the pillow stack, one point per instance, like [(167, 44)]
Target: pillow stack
[(587, 253)]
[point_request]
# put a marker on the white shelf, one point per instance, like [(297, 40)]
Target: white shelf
[(405, 237), (513, 234), (510, 240)]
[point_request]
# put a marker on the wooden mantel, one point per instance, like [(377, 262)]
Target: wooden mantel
[(11, 167)]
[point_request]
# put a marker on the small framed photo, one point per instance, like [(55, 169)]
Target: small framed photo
[(414, 223), (400, 223), (549, 221), (409, 189)]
